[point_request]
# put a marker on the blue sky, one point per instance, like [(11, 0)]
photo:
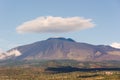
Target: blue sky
[(105, 14)]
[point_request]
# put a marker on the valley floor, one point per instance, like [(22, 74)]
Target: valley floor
[(37, 73)]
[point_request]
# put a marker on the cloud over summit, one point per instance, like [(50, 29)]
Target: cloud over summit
[(51, 24)]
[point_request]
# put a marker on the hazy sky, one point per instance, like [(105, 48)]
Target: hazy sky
[(90, 21)]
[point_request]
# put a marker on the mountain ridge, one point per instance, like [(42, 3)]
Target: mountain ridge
[(66, 48)]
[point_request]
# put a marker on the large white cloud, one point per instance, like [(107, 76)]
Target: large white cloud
[(115, 45), (50, 24)]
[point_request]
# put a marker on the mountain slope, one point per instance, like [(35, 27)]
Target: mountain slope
[(62, 48)]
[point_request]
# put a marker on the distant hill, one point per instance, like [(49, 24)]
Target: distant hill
[(62, 48)]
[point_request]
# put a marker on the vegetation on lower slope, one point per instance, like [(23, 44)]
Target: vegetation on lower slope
[(57, 63)]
